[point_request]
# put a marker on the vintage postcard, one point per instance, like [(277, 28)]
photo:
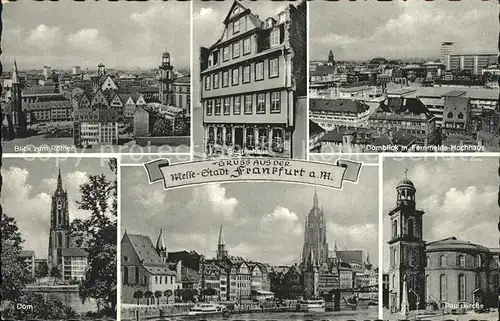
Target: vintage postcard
[(250, 160)]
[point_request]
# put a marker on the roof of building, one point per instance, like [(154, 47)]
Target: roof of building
[(458, 140), (39, 91), (73, 251), (355, 256), (324, 70), (145, 250), (363, 135), (473, 93), (455, 93), (47, 105), (26, 254), (405, 182), (183, 79), (453, 244), (338, 105), (314, 128), (403, 106)]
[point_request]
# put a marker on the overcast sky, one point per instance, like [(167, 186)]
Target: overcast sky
[(208, 18), (119, 34), (363, 30), (459, 197), (27, 192), (262, 221)]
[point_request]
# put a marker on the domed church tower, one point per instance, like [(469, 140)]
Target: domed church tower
[(407, 251)]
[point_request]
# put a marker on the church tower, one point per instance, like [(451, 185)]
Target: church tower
[(407, 250), (161, 248), (315, 234), (18, 115), (221, 246), (166, 79), (101, 70), (59, 225), (331, 60)]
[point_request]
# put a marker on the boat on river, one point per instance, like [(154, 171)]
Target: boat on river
[(206, 309), (312, 305)]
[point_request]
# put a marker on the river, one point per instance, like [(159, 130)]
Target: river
[(359, 314)]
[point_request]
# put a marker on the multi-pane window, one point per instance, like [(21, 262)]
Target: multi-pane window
[(461, 260), (237, 105), (275, 37), (273, 68), (209, 107), (442, 287), (236, 49), (207, 82), (236, 26), (246, 74), (261, 103), (461, 288), (246, 46), (248, 104), (225, 53), (259, 70), (225, 78), (227, 106), (236, 76), (216, 80), (217, 106), (275, 102)]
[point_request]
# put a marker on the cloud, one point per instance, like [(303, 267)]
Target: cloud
[(44, 37), (215, 196), (89, 40)]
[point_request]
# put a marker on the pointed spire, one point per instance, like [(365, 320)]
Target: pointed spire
[(315, 199), (160, 245), (335, 248), (59, 180), (15, 75), (221, 236), (368, 258)]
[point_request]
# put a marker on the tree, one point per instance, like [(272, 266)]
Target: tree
[(14, 275), (148, 295), (41, 270), (97, 234), (138, 295), (158, 295), (43, 308), (188, 295), (162, 127), (55, 273), (167, 294), (181, 127)]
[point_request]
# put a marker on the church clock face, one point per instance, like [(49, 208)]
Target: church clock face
[(311, 225)]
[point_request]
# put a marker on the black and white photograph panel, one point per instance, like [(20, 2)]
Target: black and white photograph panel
[(96, 76), (218, 252), (440, 249), (403, 76), (251, 62), (59, 237)]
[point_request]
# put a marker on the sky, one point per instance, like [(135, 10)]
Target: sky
[(208, 17), (28, 186), (124, 35), (263, 225), (363, 30), (458, 195)]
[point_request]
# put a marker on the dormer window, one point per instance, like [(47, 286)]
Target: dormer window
[(236, 26), (275, 37), (281, 18)]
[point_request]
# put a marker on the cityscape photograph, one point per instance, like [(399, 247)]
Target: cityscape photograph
[(386, 79), (73, 82), (440, 247), (250, 92), (217, 251), (59, 236)]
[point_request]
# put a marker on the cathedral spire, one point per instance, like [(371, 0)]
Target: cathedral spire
[(160, 245), (315, 199), (335, 247), (221, 237), (59, 180), (15, 73)]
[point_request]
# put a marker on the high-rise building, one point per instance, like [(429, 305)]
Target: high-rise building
[(447, 48)]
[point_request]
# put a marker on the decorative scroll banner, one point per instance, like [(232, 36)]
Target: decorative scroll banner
[(253, 169)]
